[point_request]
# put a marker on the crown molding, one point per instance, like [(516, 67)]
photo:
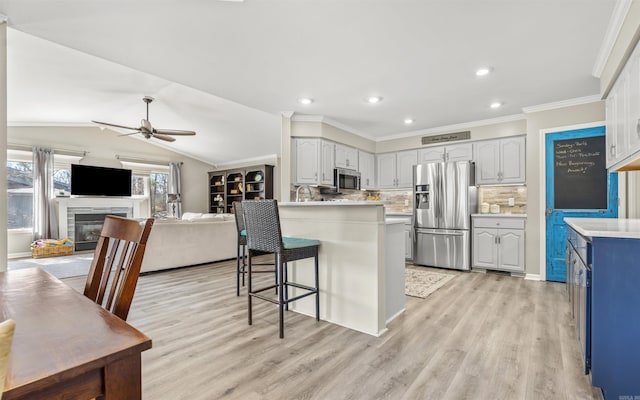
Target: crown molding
[(455, 127), (287, 114), (618, 16), (267, 159), (307, 118), (563, 103)]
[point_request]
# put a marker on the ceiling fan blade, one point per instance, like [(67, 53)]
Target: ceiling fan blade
[(129, 134), (114, 125), (163, 137), (175, 132)]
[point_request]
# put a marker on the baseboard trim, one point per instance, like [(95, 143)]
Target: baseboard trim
[(532, 277), (396, 315), (13, 256)]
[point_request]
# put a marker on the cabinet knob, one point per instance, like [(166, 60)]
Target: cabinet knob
[(612, 150)]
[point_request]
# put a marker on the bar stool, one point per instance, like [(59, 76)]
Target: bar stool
[(241, 259), (262, 223)]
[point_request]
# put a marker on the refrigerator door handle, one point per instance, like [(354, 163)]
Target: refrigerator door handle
[(436, 232)]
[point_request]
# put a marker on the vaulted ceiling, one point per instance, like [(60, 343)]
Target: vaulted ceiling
[(228, 69)]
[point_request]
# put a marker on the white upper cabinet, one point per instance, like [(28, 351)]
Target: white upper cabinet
[(386, 166), (406, 161), (455, 152), (500, 161), (327, 163), (307, 152), (346, 157), (314, 162), (431, 154), (623, 116), (367, 169), (395, 170)]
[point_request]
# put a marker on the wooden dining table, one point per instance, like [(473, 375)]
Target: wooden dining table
[(65, 346)]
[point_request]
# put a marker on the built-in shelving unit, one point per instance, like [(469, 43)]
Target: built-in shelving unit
[(251, 183)]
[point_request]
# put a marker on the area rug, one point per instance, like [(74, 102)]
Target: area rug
[(421, 283), (60, 267)]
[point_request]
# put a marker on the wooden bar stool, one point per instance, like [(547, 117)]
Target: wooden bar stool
[(241, 259), (262, 223)]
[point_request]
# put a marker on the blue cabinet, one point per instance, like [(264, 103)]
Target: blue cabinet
[(615, 315)]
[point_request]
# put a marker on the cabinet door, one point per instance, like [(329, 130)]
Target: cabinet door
[(307, 159), (431, 154), (459, 152), (511, 249), (327, 164), (487, 162), (633, 120), (341, 156), (404, 173), (485, 248), (512, 157), (610, 135), (408, 242), (352, 158), (621, 148), (366, 167), (386, 166)]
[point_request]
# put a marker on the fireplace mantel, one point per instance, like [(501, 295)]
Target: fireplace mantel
[(64, 203)]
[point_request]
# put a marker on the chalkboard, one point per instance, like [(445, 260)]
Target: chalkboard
[(580, 174)]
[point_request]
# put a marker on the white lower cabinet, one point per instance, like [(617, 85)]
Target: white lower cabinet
[(498, 243)]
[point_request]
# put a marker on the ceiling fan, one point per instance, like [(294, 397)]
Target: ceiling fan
[(149, 131)]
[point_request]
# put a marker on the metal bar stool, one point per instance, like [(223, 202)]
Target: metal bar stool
[(262, 223), (241, 259)]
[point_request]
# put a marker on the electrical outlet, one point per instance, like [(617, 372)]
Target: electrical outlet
[(406, 202), (512, 201)]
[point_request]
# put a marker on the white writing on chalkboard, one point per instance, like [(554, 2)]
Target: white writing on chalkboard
[(579, 168)]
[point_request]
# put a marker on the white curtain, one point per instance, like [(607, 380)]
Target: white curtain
[(45, 224), (175, 188)]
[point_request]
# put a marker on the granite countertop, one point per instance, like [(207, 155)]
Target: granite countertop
[(331, 203), (396, 220), (606, 227), (399, 214), (500, 215)]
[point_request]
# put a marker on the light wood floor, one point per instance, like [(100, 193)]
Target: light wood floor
[(481, 336)]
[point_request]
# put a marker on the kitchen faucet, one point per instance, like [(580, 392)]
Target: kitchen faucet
[(298, 192)]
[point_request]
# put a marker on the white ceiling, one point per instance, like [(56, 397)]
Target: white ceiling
[(227, 69)]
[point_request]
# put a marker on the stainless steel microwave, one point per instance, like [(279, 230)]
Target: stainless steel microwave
[(346, 179)]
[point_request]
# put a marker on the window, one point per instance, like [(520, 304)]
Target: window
[(62, 180), (137, 185), (19, 194), (158, 189)]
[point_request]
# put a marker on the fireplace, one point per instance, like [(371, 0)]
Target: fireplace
[(87, 228)]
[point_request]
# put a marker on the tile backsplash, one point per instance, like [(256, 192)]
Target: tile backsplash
[(401, 201), (500, 195)]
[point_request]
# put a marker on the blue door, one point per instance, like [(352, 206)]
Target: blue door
[(578, 185)]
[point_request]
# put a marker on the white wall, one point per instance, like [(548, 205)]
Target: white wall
[(511, 128), (102, 147)]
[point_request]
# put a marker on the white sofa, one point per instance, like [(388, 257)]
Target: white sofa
[(195, 239)]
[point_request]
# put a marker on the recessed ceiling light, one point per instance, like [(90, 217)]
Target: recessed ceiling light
[(496, 104), (483, 71), (409, 121), (305, 100), (374, 99)]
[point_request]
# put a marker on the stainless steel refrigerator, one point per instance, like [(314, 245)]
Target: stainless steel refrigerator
[(444, 198)]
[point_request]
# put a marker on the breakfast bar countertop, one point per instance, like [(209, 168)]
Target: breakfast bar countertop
[(500, 215), (332, 203), (606, 227)]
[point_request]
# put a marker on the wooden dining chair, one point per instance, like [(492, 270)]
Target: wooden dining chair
[(114, 271), (6, 337)]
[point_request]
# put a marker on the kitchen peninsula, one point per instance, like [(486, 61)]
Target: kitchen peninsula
[(361, 262)]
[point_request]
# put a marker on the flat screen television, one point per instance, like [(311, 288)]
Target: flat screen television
[(87, 180)]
